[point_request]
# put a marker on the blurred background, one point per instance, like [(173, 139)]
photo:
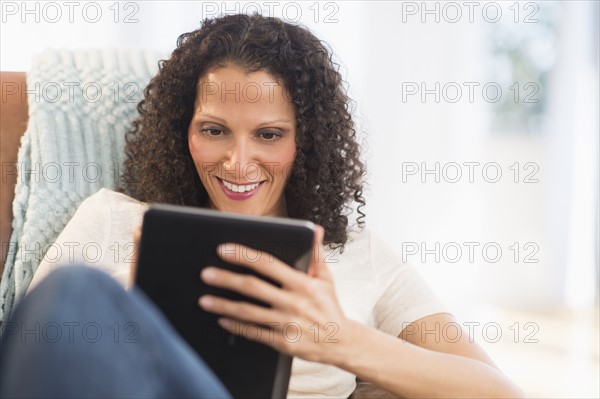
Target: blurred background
[(480, 127)]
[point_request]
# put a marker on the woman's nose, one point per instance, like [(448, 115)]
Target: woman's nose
[(239, 158)]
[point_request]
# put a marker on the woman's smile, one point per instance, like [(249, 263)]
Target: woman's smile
[(239, 191)]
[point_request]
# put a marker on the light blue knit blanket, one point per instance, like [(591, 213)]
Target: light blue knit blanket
[(81, 103)]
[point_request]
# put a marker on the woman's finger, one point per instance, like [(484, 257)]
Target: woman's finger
[(318, 268), (248, 285), (240, 310), (261, 262), (278, 338)]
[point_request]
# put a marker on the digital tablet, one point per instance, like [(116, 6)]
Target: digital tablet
[(177, 243)]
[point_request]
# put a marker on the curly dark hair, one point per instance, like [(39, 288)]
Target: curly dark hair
[(326, 180)]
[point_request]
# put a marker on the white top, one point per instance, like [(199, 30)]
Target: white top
[(372, 283)]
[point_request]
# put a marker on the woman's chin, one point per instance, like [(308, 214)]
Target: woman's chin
[(250, 207)]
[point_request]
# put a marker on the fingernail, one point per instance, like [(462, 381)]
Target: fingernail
[(209, 274), (205, 301), (226, 249), (223, 251), (225, 323)]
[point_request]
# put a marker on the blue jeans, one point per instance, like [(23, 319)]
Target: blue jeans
[(80, 335)]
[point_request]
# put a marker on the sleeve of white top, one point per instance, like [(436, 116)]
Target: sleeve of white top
[(405, 297)]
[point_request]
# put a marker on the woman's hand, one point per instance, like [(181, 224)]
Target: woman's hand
[(305, 318)]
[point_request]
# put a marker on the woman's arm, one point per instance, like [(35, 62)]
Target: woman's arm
[(407, 367), (426, 365)]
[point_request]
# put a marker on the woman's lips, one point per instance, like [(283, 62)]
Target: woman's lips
[(239, 191)]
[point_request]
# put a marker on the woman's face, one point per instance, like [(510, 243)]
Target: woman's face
[(242, 140)]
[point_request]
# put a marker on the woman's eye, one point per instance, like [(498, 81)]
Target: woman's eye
[(269, 136), (212, 131)]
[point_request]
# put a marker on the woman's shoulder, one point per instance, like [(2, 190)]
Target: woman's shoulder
[(108, 202), (107, 212), (108, 196), (368, 248), (364, 240), (357, 251)]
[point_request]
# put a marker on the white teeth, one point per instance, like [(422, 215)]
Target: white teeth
[(241, 188)]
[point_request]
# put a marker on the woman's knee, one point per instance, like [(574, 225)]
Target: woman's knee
[(69, 293)]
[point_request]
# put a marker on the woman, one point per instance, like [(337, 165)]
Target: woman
[(249, 116)]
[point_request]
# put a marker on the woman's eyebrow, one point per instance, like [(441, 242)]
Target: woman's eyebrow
[(275, 121), (203, 115), (224, 122)]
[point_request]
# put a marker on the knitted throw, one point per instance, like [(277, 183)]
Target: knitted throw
[(81, 103)]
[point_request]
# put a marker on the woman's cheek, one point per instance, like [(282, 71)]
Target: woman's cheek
[(204, 154), (285, 158)]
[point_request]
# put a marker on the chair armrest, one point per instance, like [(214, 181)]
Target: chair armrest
[(13, 122)]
